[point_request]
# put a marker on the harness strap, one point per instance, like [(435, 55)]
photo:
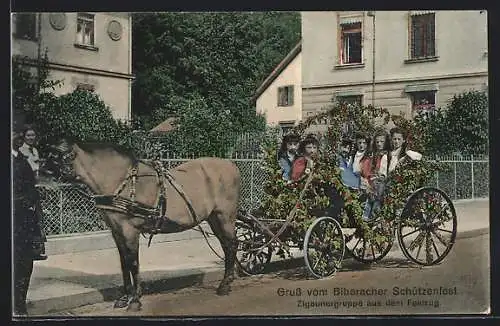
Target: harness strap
[(178, 188)]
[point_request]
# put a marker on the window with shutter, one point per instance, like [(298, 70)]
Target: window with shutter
[(85, 29), (350, 43), (422, 36)]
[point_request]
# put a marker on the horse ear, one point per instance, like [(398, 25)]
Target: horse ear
[(63, 145)]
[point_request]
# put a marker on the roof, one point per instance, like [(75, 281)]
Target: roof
[(166, 126), (278, 70)]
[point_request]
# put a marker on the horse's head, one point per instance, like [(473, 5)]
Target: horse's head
[(61, 161)]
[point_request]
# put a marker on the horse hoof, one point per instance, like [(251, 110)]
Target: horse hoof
[(122, 302), (223, 290), (134, 306)]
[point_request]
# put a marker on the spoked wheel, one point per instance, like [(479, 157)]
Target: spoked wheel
[(369, 249), (324, 247), (250, 261), (427, 227)]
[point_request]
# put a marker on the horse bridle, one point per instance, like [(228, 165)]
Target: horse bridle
[(64, 160)]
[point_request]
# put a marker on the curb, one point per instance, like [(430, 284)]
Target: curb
[(168, 282), (161, 283)]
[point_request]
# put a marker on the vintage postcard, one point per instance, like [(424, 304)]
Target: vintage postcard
[(319, 163)]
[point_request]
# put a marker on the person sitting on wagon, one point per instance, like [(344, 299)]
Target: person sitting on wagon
[(370, 172), (361, 159), (308, 150), (398, 153), (347, 175), (287, 154)]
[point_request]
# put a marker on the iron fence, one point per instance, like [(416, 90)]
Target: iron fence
[(68, 208)]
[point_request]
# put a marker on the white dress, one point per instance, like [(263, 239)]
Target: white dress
[(31, 154), (356, 167), (415, 156)]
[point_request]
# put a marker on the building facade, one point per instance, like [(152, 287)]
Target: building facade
[(92, 51), (279, 96), (404, 61)]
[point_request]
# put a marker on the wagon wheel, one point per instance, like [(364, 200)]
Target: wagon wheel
[(250, 261), (369, 251), (324, 247), (427, 227)]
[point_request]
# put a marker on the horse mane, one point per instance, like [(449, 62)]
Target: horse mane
[(93, 146)]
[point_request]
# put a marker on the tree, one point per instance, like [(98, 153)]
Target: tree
[(461, 127), (80, 115), (31, 87), (467, 121), (217, 59)]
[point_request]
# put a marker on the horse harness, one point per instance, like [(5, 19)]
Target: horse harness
[(155, 215)]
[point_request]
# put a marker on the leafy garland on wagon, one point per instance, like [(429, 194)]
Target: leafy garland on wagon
[(282, 196)]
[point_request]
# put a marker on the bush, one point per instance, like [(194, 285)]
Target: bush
[(462, 127), (80, 115)]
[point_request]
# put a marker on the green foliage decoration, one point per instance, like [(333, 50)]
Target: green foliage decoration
[(463, 123), (281, 196)]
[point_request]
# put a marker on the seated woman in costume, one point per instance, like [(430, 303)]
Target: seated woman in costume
[(308, 150), (398, 153), (361, 159), (287, 154), (371, 172)]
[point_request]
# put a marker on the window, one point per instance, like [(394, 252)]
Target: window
[(285, 96), (350, 41), (350, 99), (422, 36), (85, 87), (423, 102), (286, 127), (85, 29), (26, 26)]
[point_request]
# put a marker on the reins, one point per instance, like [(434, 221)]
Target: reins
[(157, 213)]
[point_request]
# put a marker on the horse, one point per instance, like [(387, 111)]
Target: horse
[(139, 197)]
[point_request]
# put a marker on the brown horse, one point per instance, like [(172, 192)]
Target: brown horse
[(200, 189)]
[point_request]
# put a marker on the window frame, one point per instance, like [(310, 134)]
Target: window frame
[(286, 126), (424, 30), (340, 97), (35, 31), (342, 38), (85, 17), (290, 100), (85, 87), (415, 110)]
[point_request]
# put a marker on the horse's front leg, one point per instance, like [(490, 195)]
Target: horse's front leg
[(127, 241), (134, 303), (123, 300)]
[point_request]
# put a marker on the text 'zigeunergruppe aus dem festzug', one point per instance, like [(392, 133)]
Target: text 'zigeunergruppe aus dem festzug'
[(396, 296)]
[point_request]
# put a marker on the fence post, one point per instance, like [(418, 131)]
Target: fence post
[(472, 174), (455, 179), (251, 183), (61, 199)]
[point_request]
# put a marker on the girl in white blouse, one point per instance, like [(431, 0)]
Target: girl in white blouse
[(398, 152), (29, 150)]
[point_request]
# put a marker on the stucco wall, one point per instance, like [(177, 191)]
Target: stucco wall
[(113, 91), (461, 48), (461, 43), (268, 101), (391, 95), (108, 56)]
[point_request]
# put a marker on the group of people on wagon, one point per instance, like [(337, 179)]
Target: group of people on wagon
[(365, 162)]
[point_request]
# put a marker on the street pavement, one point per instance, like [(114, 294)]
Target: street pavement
[(70, 280), (393, 286)]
